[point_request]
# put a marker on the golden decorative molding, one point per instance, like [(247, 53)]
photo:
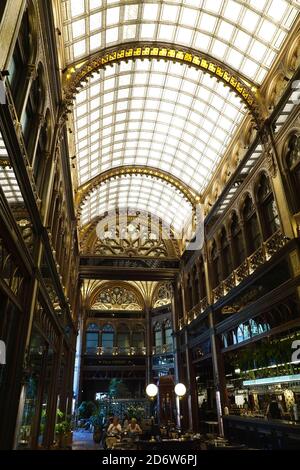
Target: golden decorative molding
[(89, 239), (118, 172), (115, 295), (80, 72)]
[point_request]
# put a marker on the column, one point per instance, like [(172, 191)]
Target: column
[(148, 345), (218, 370)]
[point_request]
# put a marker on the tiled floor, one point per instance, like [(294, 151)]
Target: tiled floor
[(83, 440)]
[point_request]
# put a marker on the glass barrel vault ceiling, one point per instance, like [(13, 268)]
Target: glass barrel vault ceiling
[(138, 193), (154, 113), (162, 114)]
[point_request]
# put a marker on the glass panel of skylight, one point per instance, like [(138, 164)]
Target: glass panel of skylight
[(138, 193), (192, 115), (222, 26)]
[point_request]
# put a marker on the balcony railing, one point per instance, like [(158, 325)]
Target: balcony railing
[(163, 349), (117, 351), (197, 310), (263, 254), (269, 248)]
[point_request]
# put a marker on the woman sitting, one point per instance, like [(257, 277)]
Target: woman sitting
[(133, 428), (113, 433)]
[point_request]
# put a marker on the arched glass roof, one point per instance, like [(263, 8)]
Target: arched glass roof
[(155, 113), (138, 193), (244, 34), (162, 114)]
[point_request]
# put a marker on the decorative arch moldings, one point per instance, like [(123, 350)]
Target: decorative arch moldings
[(163, 246), (116, 296), (80, 72), (87, 188)]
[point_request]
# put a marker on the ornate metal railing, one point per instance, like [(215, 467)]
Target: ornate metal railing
[(265, 252), (163, 349), (117, 351)]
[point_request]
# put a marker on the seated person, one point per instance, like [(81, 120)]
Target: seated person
[(113, 433), (133, 428), (115, 427)]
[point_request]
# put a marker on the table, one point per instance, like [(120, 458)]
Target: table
[(170, 445), (212, 426)]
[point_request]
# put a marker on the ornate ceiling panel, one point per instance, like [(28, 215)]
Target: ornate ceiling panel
[(117, 298), (134, 238)]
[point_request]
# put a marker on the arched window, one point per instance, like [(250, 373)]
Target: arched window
[(226, 255), (293, 164), (158, 339), (20, 60), (202, 282), (237, 241), (92, 338), (216, 265), (30, 116), (138, 337), (268, 209), (107, 339), (196, 286), (253, 235), (123, 338), (168, 335), (190, 293)]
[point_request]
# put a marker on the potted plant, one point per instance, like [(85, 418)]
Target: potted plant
[(63, 431)]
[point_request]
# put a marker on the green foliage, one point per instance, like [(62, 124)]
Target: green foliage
[(62, 426), (87, 409), (135, 411), (117, 389)]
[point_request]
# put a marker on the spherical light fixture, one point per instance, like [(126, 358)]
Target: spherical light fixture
[(151, 390), (180, 390)]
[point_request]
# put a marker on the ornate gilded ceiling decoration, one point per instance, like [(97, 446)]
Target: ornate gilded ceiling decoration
[(248, 92), (85, 189), (163, 295), (130, 237), (117, 297)]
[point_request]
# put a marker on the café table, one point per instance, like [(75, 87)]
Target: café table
[(212, 426), (170, 445)]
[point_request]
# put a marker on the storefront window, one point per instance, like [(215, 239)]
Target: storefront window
[(32, 393)]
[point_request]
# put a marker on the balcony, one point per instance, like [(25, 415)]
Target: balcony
[(163, 349), (116, 351), (257, 259)]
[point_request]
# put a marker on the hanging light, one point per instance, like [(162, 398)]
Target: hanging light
[(151, 390), (180, 390)]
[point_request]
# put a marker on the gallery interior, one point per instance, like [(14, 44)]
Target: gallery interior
[(149, 224)]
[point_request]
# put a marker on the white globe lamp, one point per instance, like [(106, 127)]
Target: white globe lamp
[(180, 390), (151, 391)]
